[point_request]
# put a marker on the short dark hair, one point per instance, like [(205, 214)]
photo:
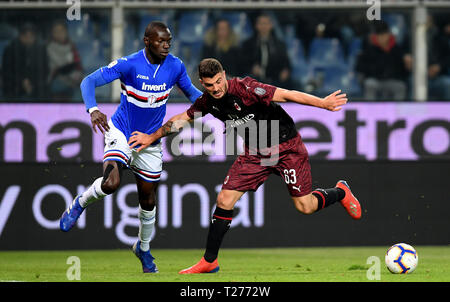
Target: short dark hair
[(154, 25), (209, 67), (27, 27), (381, 27)]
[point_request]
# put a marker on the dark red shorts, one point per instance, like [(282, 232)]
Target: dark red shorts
[(249, 171)]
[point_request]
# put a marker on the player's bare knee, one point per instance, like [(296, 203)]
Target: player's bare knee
[(110, 185), (308, 210), (147, 194), (304, 209), (224, 201), (147, 204), (111, 179), (147, 201), (304, 205)]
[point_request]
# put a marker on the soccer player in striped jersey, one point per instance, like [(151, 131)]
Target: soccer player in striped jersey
[(146, 78)]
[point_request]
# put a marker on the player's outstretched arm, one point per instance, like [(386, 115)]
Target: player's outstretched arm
[(332, 102), (174, 124), (87, 86)]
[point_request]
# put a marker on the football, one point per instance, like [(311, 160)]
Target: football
[(401, 258)]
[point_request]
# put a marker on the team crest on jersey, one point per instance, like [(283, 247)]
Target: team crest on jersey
[(152, 99), (238, 108), (260, 91), (112, 143)]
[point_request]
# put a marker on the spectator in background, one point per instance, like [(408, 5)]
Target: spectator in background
[(266, 57), (64, 62), (342, 25), (221, 43), (438, 61), (383, 66), (25, 67)]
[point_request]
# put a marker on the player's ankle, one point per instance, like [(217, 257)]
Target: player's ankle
[(210, 258)]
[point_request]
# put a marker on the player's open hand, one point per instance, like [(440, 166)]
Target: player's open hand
[(140, 140), (335, 101), (99, 120)]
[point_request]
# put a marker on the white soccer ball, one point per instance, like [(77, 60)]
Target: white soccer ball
[(401, 258)]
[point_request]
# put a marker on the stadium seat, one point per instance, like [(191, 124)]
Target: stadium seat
[(3, 44), (8, 32), (340, 77), (189, 52), (132, 41), (104, 25), (326, 65), (192, 26), (146, 17), (92, 55), (240, 23), (82, 30), (295, 50), (353, 88), (325, 52), (191, 29), (328, 79), (132, 45), (353, 51), (333, 79), (297, 58), (397, 24)]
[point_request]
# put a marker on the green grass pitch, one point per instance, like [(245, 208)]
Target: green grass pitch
[(340, 264)]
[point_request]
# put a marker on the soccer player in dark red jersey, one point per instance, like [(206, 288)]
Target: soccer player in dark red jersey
[(239, 102)]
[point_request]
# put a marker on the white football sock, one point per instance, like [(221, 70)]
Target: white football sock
[(93, 193), (146, 225)]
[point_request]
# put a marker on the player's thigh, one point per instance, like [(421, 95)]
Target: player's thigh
[(115, 157), (295, 170), (112, 170), (246, 174), (227, 198), (147, 164), (116, 146), (147, 167)]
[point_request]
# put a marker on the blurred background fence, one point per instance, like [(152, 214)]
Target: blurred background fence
[(356, 46)]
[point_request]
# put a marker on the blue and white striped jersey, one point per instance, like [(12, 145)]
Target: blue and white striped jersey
[(145, 90)]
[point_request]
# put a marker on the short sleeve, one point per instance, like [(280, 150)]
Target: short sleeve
[(256, 92), (199, 108)]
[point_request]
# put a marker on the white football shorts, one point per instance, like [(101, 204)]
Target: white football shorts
[(147, 164)]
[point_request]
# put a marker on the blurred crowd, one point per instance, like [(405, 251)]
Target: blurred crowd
[(313, 52), (33, 70)]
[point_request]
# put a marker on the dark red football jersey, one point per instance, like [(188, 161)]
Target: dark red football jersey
[(248, 108)]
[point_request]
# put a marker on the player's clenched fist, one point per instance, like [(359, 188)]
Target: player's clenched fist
[(99, 120)]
